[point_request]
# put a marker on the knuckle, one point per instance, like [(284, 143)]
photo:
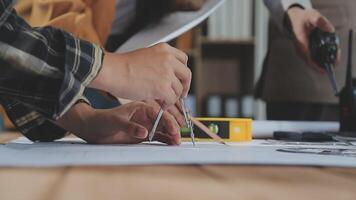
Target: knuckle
[(167, 77), (190, 73), (165, 85), (167, 57), (181, 88), (186, 57), (316, 19), (172, 100), (167, 61), (163, 46), (139, 104), (314, 12)]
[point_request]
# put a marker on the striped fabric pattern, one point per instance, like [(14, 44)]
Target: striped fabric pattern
[(43, 73)]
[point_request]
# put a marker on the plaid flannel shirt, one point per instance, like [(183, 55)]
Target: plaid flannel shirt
[(43, 72)]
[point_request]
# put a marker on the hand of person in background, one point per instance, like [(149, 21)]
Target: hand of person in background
[(303, 22), (155, 73), (127, 124), (187, 5)]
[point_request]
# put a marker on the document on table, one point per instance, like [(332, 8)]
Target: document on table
[(74, 152), (265, 129), (170, 27)]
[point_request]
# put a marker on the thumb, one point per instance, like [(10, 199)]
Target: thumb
[(324, 24), (135, 130)]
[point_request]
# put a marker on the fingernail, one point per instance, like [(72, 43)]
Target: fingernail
[(178, 142)]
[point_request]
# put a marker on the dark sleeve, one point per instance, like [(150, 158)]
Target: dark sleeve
[(44, 69), (31, 123)]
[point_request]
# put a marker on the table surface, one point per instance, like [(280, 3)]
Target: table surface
[(176, 182)]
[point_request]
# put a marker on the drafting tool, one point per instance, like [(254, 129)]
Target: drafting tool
[(220, 129), (187, 120), (192, 134), (324, 47), (155, 125)]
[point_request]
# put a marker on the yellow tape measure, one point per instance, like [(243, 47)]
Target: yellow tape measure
[(229, 129)]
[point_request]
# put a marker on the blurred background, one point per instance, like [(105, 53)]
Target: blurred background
[(226, 54)]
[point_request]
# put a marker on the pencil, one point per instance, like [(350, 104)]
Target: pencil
[(207, 131)]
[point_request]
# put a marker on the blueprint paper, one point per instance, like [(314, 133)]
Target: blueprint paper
[(75, 152)]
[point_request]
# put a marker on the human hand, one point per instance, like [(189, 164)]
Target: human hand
[(127, 124), (303, 22), (174, 110), (159, 73)]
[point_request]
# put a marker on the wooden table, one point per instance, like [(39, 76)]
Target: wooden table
[(176, 182)]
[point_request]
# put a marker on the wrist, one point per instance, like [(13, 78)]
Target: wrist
[(102, 79), (293, 12), (113, 75)]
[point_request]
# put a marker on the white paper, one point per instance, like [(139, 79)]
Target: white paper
[(73, 152), (170, 27)]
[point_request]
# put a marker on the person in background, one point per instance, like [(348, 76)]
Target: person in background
[(292, 85), (45, 70)]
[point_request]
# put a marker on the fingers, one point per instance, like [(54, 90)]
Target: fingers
[(169, 125), (312, 19), (171, 93), (152, 112), (170, 140), (304, 52), (180, 55), (338, 57), (179, 65), (177, 114), (175, 111), (182, 71), (134, 130), (168, 130), (177, 87), (166, 48), (319, 21), (170, 98), (184, 74)]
